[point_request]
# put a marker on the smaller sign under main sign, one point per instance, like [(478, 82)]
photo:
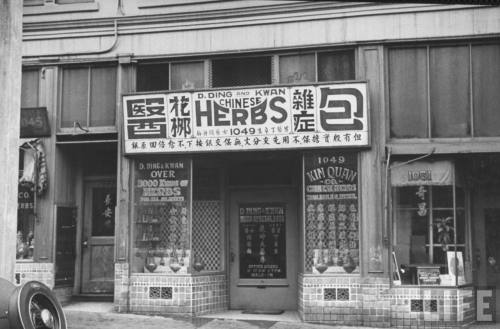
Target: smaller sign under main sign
[(275, 117)]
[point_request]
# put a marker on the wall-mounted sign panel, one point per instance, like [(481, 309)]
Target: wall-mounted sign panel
[(262, 241), (34, 122), (312, 116)]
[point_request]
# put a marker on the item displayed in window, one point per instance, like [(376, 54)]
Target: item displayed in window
[(429, 222), (162, 216), (331, 212), (444, 227)]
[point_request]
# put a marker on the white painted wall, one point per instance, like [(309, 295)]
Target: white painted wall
[(201, 33)]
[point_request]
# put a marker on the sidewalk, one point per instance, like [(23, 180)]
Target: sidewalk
[(101, 316)]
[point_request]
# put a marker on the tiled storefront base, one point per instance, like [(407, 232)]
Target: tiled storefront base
[(452, 308), (343, 300), (164, 294), (372, 302), (29, 271)]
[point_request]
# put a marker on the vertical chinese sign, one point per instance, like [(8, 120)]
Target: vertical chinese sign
[(162, 214), (296, 117), (262, 237), (331, 212)]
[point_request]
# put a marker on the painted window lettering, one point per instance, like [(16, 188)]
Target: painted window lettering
[(348, 99), (146, 118)]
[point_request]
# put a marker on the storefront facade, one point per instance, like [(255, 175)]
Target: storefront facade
[(197, 162)]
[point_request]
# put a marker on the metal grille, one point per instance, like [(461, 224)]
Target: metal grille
[(166, 293), (160, 292), (343, 293), (430, 305), (330, 294), (154, 292), (207, 234), (416, 305)]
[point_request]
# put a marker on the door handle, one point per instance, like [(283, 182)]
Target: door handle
[(85, 243), (232, 256)]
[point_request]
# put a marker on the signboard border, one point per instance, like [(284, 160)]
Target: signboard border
[(165, 93)]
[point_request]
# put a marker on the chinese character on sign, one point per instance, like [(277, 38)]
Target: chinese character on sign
[(180, 113), (146, 118), (340, 109), (303, 110)]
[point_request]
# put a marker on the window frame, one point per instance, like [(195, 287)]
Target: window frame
[(273, 69), (87, 129), (170, 63), (472, 136), (316, 52), (465, 246)]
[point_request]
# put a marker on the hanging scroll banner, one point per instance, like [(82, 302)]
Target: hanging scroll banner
[(281, 117)]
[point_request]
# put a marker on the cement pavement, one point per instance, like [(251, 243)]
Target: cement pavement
[(102, 316)]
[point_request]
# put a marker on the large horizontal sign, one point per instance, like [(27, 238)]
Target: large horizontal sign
[(333, 115)]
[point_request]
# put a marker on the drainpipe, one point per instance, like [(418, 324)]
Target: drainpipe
[(91, 52)]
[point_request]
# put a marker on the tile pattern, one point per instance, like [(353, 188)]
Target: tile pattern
[(443, 307), (207, 234), (180, 294), (121, 293), (29, 271), (373, 302)]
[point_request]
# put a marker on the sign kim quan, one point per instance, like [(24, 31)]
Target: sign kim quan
[(299, 116)]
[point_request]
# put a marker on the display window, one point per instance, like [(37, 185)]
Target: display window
[(331, 210), (429, 225), (162, 215), (177, 216)]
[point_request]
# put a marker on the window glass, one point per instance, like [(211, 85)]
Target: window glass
[(207, 226), (31, 166), (486, 84), (241, 71), (408, 92), (29, 89), (75, 84), (152, 77), (188, 75), (449, 91), (297, 69), (162, 216), (103, 96), (336, 65), (103, 211), (25, 219), (425, 227)]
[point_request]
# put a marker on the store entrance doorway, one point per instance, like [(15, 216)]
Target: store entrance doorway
[(98, 235), (264, 246)]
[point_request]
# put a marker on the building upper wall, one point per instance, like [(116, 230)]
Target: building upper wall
[(159, 28)]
